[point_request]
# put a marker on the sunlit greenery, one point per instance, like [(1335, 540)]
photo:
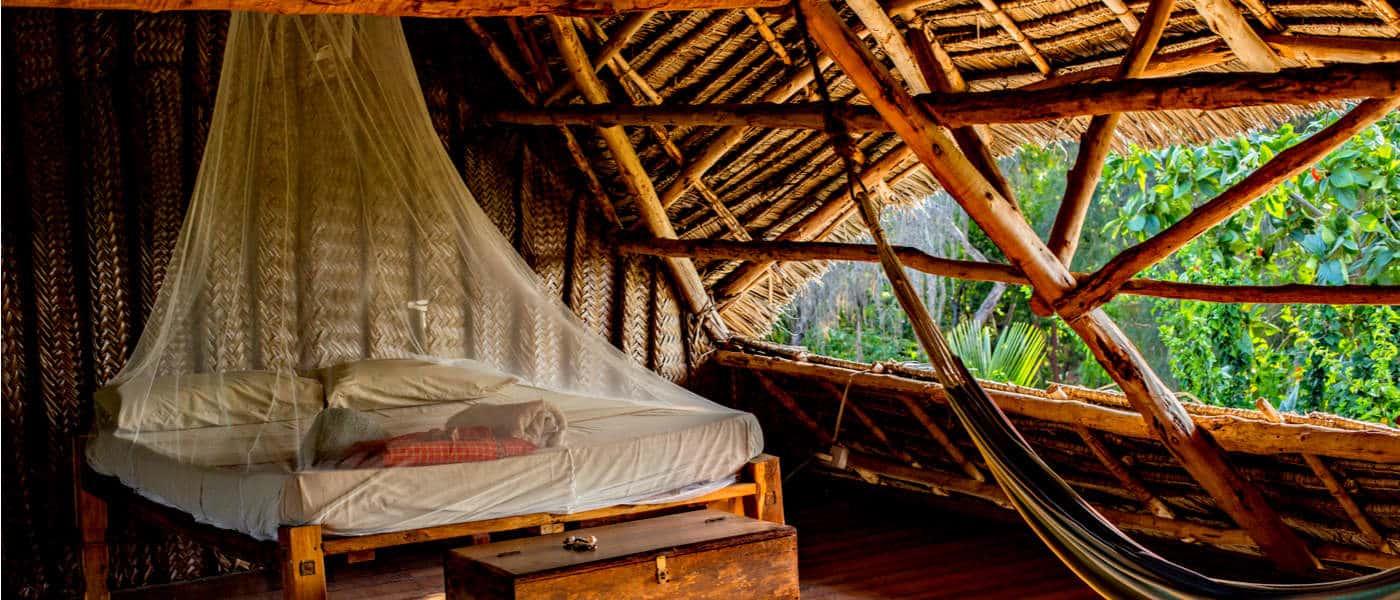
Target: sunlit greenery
[(1335, 224)]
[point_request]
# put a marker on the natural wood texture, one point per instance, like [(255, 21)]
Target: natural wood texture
[(92, 526), (1122, 474), (1165, 64), (1334, 487), (600, 196), (768, 36), (653, 214), (784, 251), (1150, 525), (303, 563), (697, 554), (1226, 20), (815, 225), (622, 68), (949, 82), (1200, 91), (796, 410), (1083, 177), (438, 9), (887, 37), (1124, 14), (1014, 32), (1265, 17), (1099, 287), (346, 545), (766, 503), (1320, 48), (940, 436), (616, 42), (1386, 12)]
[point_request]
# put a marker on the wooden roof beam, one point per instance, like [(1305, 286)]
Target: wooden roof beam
[(629, 166), (1386, 12), (1014, 31), (517, 80), (1226, 20), (1194, 448), (1083, 177), (610, 50), (1125, 15), (1202, 91), (796, 251), (1098, 288), (769, 37), (439, 9), (882, 29), (1330, 49)]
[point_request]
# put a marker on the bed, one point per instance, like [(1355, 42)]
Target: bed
[(617, 458)]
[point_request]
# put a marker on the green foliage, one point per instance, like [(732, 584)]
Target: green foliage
[(1017, 357)]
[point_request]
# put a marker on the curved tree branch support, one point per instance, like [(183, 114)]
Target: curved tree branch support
[(1005, 225)]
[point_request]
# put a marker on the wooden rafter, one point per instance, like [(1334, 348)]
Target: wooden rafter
[(1196, 450), (869, 423), (1339, 492), (1386, 12), (1099, 287), (610, 50), (596, 191), (887, 37), (914, 258), (1094, 145), (1124, 14), (624, 71), (1264, 15), (1323, 49), (1201, 91), (787, 401), (440, 9), (769, 37), (630, 167), (1125, 477), (1013, 30), (1226, 20)]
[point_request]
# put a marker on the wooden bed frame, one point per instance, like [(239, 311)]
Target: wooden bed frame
[(301, 551)]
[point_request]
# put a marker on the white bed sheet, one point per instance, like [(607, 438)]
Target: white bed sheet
[(241, 477)]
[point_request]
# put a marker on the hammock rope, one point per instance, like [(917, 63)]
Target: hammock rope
[(1101, 555)]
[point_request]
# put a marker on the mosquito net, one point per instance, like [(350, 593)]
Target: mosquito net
[(343, 337)]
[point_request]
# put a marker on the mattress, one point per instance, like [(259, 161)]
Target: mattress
[(614, 452)]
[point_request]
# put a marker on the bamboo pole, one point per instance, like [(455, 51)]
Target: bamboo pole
[(634, 175), (1235, 434), (1339, 492), (1099, 287), (1094, 145), (1201, 91), (596, 191), (1051, 280), (622, 68), (610, 50), (1226, 20), (440, 9), (768, 36), (797, 251)]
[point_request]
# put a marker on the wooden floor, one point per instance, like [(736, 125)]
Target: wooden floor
[(851, 546)]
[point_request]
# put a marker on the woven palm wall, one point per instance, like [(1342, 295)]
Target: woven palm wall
[(105, 116)]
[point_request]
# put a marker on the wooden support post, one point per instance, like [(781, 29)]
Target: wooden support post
[(1123, 475), (1194, 448), (92, 526), (766, 503), (303, 562), (1100, 287), (526, 91), (1083, 178), (1226, 20), (790, 403), (638, 182), (1339, 492)]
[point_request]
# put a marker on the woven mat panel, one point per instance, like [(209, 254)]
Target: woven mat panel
[(668, 340), (635, 296), (545, 208), (488, 166)]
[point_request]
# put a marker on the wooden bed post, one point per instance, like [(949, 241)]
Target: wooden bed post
[(92, 525), (303, 563), (767, 502)]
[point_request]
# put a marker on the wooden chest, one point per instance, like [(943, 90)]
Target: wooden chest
[(699, 554)]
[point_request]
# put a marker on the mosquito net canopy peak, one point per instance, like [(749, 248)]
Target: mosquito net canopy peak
[(332, 257)]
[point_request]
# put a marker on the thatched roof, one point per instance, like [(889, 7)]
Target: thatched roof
[(774, 177)]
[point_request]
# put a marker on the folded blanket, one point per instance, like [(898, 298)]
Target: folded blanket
[(436, 447), (538, 422)]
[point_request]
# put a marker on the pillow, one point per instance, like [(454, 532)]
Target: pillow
[(399, 382), (208, 399), (334, 433)]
